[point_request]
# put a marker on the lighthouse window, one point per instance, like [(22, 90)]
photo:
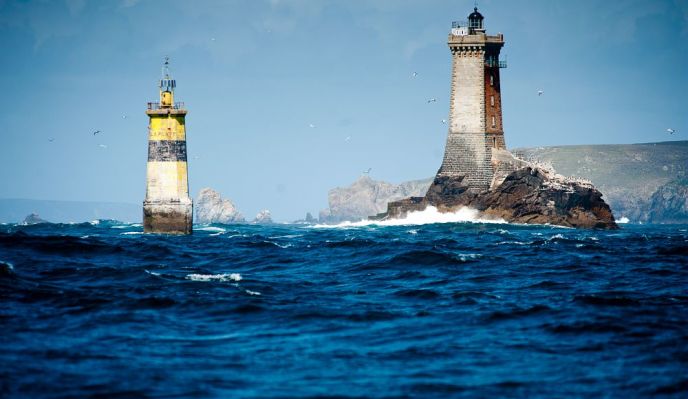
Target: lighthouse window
[(491, 80), (494, 122), (492, 101)]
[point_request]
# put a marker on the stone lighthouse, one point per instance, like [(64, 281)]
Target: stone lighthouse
[(475, 108), (167, 207)]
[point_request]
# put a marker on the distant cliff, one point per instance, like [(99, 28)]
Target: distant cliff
[(210, 207), (643, 182), (367, 197)]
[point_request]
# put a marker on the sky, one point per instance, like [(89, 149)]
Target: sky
[(256, 74)]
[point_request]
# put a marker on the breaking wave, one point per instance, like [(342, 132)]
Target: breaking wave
[(214, 277), (430, 215)]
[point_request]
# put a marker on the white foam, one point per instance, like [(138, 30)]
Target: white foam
[(429, 215), (132, 233), (253, 292), (214, 277), (152, 273), (623, 220), (211, 228)]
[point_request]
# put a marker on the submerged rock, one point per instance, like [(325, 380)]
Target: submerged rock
[(33, 218), (212, 208), (521, 193)]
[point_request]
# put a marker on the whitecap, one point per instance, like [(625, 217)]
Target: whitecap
[(214, 277), (131, 233), (152, 273), (413, 231), (211, 228), (429, 215), (253, 292), (623, 220)]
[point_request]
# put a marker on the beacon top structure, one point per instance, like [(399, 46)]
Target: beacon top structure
[(475, 108), (167, 207)]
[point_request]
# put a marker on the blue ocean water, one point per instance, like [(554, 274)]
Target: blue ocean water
[(285, 311)]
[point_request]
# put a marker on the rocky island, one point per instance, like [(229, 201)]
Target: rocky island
[(521, 192)]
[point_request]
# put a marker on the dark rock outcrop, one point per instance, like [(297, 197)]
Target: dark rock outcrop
[(33, 219), (527, 195)]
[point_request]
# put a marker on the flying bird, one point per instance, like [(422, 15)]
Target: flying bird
[(312, 126), (432, 100), (124, 117), (540, 92), (444, 121), (367, 172), (51, 139), (102, 146), (348, 138), (413, 75), (96, 132), (671, 131), (212, 39)]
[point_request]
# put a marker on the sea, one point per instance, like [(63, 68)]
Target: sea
[(435, 307)]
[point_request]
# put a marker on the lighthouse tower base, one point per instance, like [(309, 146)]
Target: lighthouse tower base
[(168, 217)]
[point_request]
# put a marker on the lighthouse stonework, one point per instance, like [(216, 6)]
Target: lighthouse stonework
[(475, 108), (167, 207)]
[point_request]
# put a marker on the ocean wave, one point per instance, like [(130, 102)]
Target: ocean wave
[(214, 277), (429, 215)]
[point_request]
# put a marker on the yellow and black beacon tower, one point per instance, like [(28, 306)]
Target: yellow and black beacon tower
[(167, 207)]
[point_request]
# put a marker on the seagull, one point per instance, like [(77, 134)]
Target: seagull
[(96, 132), (212, 39), (671, 131), (367, 172), (444, 121), (312, 126), (413, 75), (432, 100), (540, 92), (51, 139), (124, 117), (102, 146), (348, 138)]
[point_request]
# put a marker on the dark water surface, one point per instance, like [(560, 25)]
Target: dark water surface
[(437, 311)]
